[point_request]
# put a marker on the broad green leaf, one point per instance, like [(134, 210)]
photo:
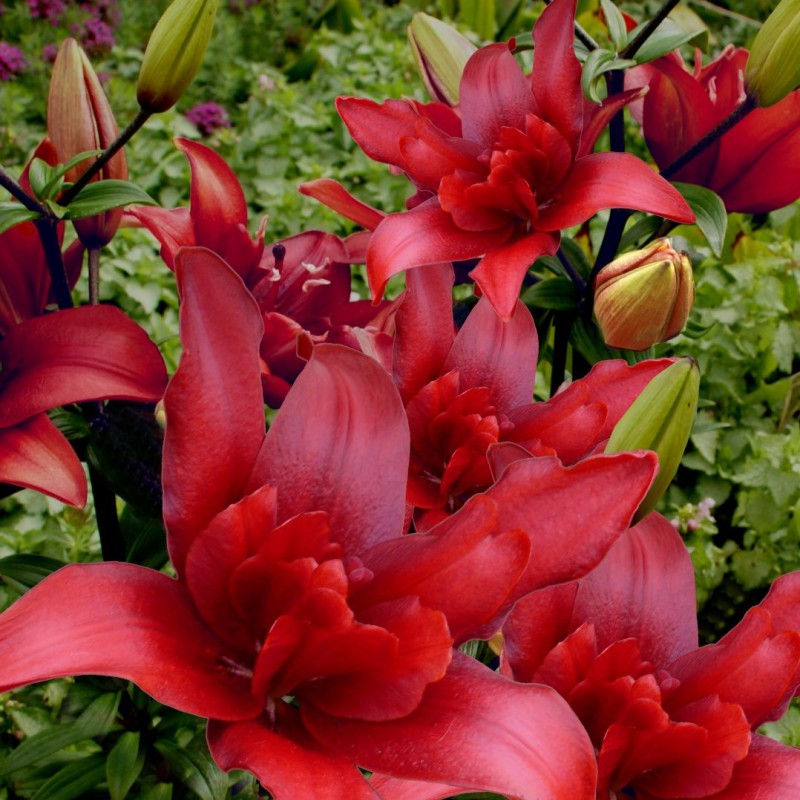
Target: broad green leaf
[(97, 720), (60, 170), (12, 214), (667, 37), (125, 762), (27, 570), (597, 64), (195, 769), (95, 198), (76, 780), (616, 24), (558, 294), (712, 218), (40, 173), (642, 229)]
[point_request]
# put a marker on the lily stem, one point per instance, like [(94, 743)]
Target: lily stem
[(93, 257), (16, 190), (562, 327), (136, 123), (47, 229), (105, 509)]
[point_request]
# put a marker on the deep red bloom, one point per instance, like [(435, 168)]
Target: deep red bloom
[(668, 720), (505, 174), (469, 396), (295, 580), (301, 284), (755, 167)]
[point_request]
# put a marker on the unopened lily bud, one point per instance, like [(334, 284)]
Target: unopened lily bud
[(79, 118), (661, 420), (773, 68), (441, 53), (174, 53), (644, 296)]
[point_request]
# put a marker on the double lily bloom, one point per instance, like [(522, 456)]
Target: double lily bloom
[(313, 634), (754, 167), (500, 176)]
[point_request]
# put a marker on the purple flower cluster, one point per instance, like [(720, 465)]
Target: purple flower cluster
[(12, 62), (95, 35), (51, 10), (208, 117)]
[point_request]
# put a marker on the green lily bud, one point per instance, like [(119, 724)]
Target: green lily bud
[(773, 68), (644, 296), (174, 52), (441, 53), (660, 419), (79, 118)]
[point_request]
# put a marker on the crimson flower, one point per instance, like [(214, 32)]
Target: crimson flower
[(468, 396), (302, 283), (503, 175), (667, 719), (303, 624), (755, 167)]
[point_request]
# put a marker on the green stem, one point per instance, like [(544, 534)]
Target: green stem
[(138, 121), (105, 509), (93, 257), (562, 327)]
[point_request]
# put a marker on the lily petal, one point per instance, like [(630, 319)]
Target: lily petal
[(35, 454), (538, 748), (172, 227), (215, 414), (86, 353), (128, 622), (340, 444), (332, 194)]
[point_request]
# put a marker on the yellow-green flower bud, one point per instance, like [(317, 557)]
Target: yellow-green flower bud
[(660, 419), (174, 53), (644, 296), (773, 68), (441, 53)]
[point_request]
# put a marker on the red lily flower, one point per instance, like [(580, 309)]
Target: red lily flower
[(668, 720), (468, 396), (503, 178), (302, 283), (755, 167), (75, 355), (295, 579)]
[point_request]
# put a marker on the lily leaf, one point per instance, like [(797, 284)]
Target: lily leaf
[(95, 198), (12, 214), (27, 570), (667, 37), (712, 218), (75, 780), (195, 769), (597, 64), (558, 294), (616, 24), (57, 172), (125, 762)]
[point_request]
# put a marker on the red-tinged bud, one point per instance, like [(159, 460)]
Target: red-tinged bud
[(79, 118), (441, 53), (174, 53), (644, 297)]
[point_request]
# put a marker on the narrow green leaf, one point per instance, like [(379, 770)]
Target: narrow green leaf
[(712, 218), (558, 294), (27, 570), (616, 24), (60, 170), (40, 173), (95, 198), (125, 762), (667, 37), (195, 769), (597, 64), (97, 720), (12, 214), (161, 791), (642, 229), (479, 16), (75, 780)]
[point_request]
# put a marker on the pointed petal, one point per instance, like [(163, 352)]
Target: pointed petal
[(171, 226), (568, 538), (611, 180), (538, 748), (500, 272), (556, 78), (397, 789), (496, 354), (215, 414), (288, 763), (426, 235), (494, 93), (340, 444), (86, 353), (35, 454), (424, 328), (643, 589), (332, 194), (25, 282), (770, 771), (597, 117), (128, 622)]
